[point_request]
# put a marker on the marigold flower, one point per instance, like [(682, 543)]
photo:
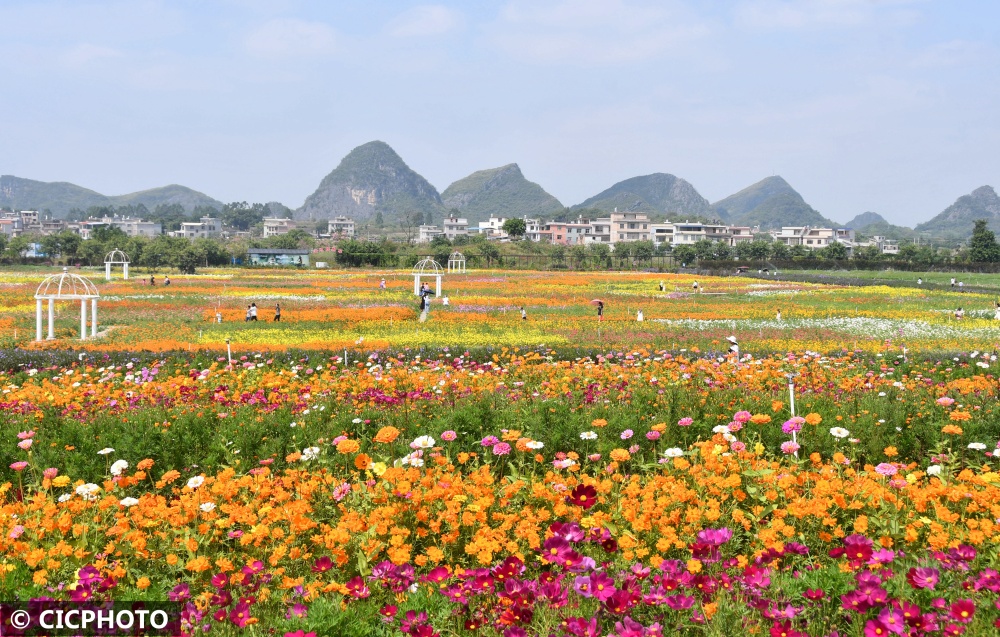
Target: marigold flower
[(386, 435), (597, 423), (959, 416), (348, 446), (814, 419), (362, 461), (952, 429), (620, 455)]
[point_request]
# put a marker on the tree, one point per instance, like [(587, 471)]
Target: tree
[(379, 219), (515, 228), (111, 236), (440, 241), (835, 251), (241, 215), (684, 254), (983, 246), (579, 255), (188, 260), (643, 249), (3, 243), (599, 252), (723, 251), (779, 250), (295, 238), (490, 252)]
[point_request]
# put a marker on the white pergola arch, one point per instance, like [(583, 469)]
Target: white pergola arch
[(116, 257), (427, 267), (456, 263), (66, 287)]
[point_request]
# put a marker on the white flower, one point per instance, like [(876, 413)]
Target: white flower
[(978, 446), (310, 453), (588, 435), (839, 432), (118, 467), (207, 507), (422, 442), (728, 437), (88, 491), (534, 444), (195, 482), (356, 421), (294, 424), (105, 451), (934, 470), (64, 497), (128, 502), (720, 429), (673, 452)]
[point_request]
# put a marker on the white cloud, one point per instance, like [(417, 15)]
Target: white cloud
[(426, 20), (807, 14), (84, 54), (289, 37), (594, 31)]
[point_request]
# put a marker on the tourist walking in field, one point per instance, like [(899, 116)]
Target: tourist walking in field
[(277, 312), (779, 315), (524, 315), (253, 311), (694, 286), (381, 285), (734, 347), (639, 317), (920, 281), (952, 281), (960, 285), (152, 280), (249, 313), (166, 281), (600, 310), (662, 287)]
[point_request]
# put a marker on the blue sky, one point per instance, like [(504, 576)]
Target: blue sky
[(883, 105)]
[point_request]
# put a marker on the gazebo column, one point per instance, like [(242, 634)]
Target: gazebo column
[(416, 284), (437, 286), (38, 319), (126, 272), (107, 271), (93, 317), (83, 319), (52, 319)]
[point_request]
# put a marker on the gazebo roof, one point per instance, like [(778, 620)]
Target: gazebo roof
[(428, 266), (66, 286), (456, 256), (116, 256)]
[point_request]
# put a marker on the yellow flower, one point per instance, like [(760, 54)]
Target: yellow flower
[(694, 566), (379, 468), (60, 481)]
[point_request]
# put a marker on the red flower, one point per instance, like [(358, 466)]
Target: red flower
[(963, 610), (583, 495)]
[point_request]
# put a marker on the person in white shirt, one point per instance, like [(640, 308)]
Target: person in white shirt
[(638, 317), (734, 347), (253, 311), (779, 315)]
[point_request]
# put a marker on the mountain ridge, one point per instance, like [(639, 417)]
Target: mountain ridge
[(956, 221), (769, 203), (502, 191), (656, 193)]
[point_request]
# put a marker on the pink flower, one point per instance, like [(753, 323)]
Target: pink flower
[(793, 424), (448, 436), (945, 401), (594, 457), (501, 449), (742, 417), (16, 532), (736, 446), (652, 435), (685, 422), (19, 466), (886, 469), (25, 444), (50, 473), (789, 447), (24, 435), (627, 434)]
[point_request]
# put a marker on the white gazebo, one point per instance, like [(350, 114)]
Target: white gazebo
[(115, 257), (66, 287), (428, 267), (456, 263)]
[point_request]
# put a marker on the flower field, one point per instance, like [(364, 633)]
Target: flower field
[(476, 474)]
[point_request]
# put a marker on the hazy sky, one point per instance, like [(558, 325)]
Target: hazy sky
[(891, 105)]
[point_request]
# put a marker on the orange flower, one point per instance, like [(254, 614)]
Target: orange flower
[(694, 566), (386, 435), (952, 429), (145, 465), (760, 419), (348, 446), (814, 419), (142, 583), (598, 423), (660, 426), (891, 451), (777, 405), (620, 455), (959, 416), (362, 461)]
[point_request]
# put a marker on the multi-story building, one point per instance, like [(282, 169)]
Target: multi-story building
[(629, 226), (741, 234), (139, 228), (568, 233), (885, 246), (492, 227), (342, 226), (814, 238), (600, 231), (206, 228), (274, 226), (426, 234), (11, 224), (532, 229), (455, 227)]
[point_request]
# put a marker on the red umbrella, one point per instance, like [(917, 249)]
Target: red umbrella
[(596, 302)]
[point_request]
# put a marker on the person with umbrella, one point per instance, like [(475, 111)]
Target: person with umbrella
[(600, 308)]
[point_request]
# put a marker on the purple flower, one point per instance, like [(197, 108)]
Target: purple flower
[(582, 586), (489, 441), (922, 577), (715, 537)]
